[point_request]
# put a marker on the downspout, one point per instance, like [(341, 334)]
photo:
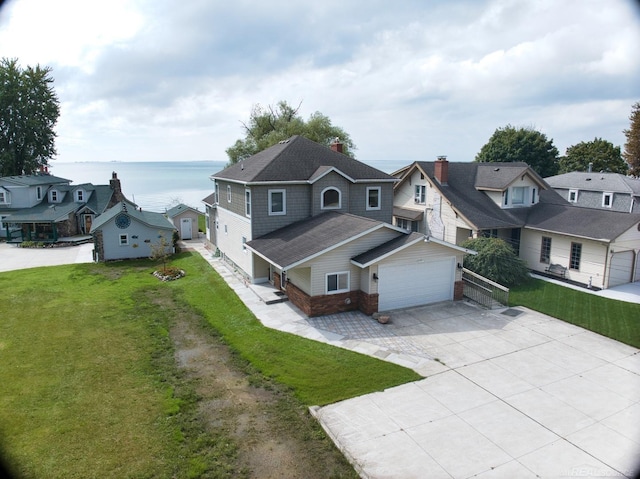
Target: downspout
[(605, 279)]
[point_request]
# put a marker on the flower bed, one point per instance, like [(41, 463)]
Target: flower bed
[(169, 274)]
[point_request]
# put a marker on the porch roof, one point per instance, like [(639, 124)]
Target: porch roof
[(294, 244), (408, 214)]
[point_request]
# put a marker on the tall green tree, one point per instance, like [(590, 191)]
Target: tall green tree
[(632, 146), (29, 110), (267, 126), (601, 154), (521, 144)]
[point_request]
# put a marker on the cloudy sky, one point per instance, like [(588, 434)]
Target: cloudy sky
[(408, 80)]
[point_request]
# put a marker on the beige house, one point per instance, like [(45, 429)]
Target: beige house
[(457, 201), (185, 220)]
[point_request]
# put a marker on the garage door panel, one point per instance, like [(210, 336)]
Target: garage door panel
[(621, 268), (404, 286)]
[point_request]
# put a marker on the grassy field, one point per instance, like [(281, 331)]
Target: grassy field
[(618, 320), (89, 385)]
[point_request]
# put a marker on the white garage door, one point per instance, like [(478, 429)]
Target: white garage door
[(403, 286), (621, 268)]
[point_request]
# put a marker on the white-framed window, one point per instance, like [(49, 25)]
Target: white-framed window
[(228, 193), (216, 193), (576, 256), (5, 197), (337, 282), (124, 239), (247, 203), (53, 196), (331, 198), (573, 196), (217, 224), (38, 192), (403, 223), (518, 195), (534, 193), (277, 202), (374, 194), (607, 200), (79, 195), (420, 194), (505, 195), (244, 244), (226, 230)]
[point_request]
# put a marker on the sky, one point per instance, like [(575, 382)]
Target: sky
[(159, 80)]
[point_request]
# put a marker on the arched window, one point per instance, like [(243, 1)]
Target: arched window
[(331, 199)]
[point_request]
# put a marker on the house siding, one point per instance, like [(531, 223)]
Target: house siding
[(237, 197), (230, 242), (592, 262), (137, 247), (358, 201), (335, 180), (593, 199), (298, 207)]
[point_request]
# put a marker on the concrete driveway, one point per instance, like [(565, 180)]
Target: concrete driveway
[(507, 394), (512, 394), (13, 258)]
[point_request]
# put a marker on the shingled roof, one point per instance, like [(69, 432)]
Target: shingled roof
[(303, 240), (581, 180), (298, 160)]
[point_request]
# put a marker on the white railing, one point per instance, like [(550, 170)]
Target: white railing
[(484, 291)]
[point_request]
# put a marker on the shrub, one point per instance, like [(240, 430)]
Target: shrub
[(496, 260)]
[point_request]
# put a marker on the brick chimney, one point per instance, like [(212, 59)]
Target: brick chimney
[(117, 195), (336, 145), (442, 170)]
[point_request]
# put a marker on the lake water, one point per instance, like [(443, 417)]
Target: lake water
[(159, 185)]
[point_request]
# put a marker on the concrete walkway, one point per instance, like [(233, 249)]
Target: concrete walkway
[(509, 393)]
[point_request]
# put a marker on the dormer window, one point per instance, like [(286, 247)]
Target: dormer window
[(373, 197), (53, 196), (80, 196), (518, 195), (607, 200), (5, 197), (38, 193), (331, 199), (573, 196)]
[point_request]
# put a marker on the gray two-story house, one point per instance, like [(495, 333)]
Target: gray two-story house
[(608, 191), (317, 225)]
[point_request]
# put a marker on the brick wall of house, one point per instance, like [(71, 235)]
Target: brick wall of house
[(458, 289), (368, 303)]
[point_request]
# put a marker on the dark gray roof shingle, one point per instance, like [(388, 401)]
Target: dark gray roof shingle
[(295, 243), (388, 247), (298, 159)]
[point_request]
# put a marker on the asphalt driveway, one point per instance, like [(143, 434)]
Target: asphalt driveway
[(13, 258)]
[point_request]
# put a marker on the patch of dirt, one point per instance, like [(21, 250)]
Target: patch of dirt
[(276, 437)]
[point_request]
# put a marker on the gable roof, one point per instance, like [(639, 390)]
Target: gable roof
[(301, 241), (498, 176), (149, 218), (610, 182), (210, 200), (474, 205), (588, 223), (181, 208), (298, 160)]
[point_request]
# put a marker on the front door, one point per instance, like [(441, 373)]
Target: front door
[(185, 228), (88, 220)]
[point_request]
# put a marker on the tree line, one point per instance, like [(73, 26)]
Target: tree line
[(29, 110)]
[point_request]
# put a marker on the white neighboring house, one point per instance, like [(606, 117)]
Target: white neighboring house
[(456, 201), (123, 232)]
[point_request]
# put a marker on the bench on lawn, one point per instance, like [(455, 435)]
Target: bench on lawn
[(557, 269)]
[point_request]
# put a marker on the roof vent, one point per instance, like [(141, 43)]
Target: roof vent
[(496, 169), (588, 179)]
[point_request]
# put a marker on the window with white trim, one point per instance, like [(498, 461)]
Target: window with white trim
[(534, 193), (403, 223), (277, 202), (38, 192), (331, 199), (4, 197), (607, 200), (228, 193), (518, 195), (576, 255), (545, 250), (420, 194), (573, 196), (247, 202), (53, 196), (80, 195), (124, 239), (337, 282), (216, 193), (244, 244), (373, 197)]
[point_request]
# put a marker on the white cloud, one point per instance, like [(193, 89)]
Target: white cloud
[(153, 79)]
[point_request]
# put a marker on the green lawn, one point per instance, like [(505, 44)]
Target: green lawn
[(89, 386), (615, 319)]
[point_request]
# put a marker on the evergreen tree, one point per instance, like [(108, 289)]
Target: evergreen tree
[(266, 127), (632, 146), (496, 260), (29, 110)]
